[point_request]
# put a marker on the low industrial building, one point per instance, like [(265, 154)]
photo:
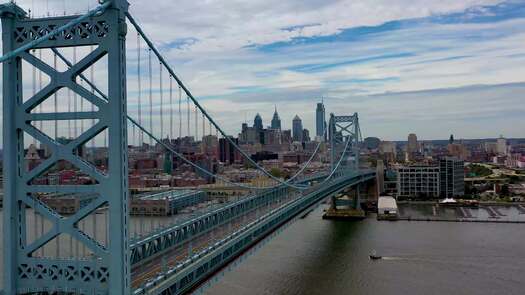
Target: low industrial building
[(166, 203), (67, 204)]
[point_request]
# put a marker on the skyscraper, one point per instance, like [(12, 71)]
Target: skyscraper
[(227, 152), (257, 123), (320, 121), (306, 135), (501, 146), (276, 121), (297, 129), (451, 178), (412, 143)]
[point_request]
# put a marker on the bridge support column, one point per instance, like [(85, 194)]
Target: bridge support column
[(346, 207), (105, 269)]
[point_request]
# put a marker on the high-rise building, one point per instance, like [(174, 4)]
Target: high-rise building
[(490, 147), (458, 150), (451, 178), (257, 123), (286, 136), (297, 129), (371, 143), (276, 121), (209, 145), (501, 146), (306, 135), (249, 135), (227, 152), (388, 150), (320, 121), (271, 136), (412, 143)]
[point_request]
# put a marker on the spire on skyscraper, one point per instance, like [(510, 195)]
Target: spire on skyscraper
[(276, 121)]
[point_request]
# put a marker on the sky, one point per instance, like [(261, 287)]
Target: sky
[(428, 67)]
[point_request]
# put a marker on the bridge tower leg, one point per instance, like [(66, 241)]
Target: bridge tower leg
[(107, 269), (345, 135), (343, 130)]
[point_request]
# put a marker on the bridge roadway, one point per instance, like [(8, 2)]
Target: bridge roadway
[(156, 243), (177, 270), (143, 272), (164, 248)]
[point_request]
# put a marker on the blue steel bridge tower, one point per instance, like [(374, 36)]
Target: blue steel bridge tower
[(106, 270)]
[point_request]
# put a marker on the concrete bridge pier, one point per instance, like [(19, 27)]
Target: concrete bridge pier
[(346, 205)]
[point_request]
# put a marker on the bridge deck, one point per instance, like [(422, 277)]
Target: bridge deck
[(143, 272), (216, 247)]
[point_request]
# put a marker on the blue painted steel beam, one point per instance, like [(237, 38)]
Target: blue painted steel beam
[(35, 43), (108, 271)]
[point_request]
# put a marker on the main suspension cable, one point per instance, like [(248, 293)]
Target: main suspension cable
[(190, 96)]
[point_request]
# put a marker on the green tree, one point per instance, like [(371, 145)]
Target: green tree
[(276, 172), (479, 170)]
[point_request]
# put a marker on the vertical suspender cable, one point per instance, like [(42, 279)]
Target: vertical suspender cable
[(69, 133), (171, 107), (150, 95), (188, 113), (196, 124), (161, 102), (139, 84), (180, 113)]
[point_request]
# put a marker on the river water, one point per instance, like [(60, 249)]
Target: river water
[(316, 256)]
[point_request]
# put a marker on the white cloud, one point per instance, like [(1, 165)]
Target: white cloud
[(216, 65)]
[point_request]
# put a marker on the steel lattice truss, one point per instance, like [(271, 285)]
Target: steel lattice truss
[(344, 131), (108, 268)]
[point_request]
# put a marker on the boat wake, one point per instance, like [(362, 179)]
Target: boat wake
[(393, 258)]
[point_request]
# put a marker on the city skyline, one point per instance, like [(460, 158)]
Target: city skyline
[(127, 168), (431, 72), (287, 124)]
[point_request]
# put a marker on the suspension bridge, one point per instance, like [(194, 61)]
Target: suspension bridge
[(95, 83)]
